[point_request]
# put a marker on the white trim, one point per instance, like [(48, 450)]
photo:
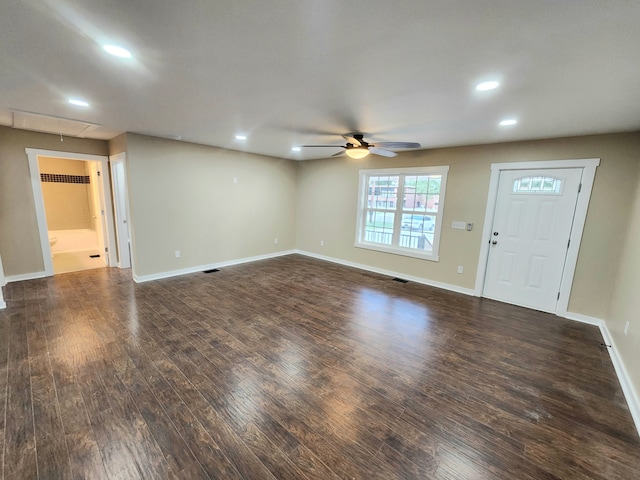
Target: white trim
[(40, 213), (579, 219), (630, 394), (34, 169), (390, 273), (26, 276), (36, 152), (578, 317), (588, 166), (3, 305), (200, 268), (121, 158), (397, 251), (401, 172), (406, 170)]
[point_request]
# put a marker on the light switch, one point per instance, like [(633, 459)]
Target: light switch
[(459, 225)]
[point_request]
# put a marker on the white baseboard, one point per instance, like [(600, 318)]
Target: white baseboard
[(630, 394), (578, 317), (25, 276), (423, 281), (200, 268)]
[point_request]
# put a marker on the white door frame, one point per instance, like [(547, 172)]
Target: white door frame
[(120, 209), (34, 169), (589, 166)]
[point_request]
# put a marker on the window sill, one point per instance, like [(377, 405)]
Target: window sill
[(398, 251)]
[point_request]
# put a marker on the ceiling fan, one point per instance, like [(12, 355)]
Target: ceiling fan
[(356, 147)]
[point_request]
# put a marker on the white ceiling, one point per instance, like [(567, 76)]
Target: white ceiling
[(290, 72)]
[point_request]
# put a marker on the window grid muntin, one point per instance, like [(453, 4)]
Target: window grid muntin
[(538, 185)]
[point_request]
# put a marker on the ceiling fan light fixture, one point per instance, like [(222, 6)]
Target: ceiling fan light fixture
[(357, 152)]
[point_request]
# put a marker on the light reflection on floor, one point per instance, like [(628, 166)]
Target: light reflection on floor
[(381, 312), (396, 331)]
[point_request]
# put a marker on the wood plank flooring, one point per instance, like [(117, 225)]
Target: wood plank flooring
[(293, 368)]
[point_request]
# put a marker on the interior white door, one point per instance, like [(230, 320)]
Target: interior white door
[(118, 178), (530, 236), (98, 213)]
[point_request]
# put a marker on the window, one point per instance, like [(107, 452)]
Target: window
[(539, 185), (400, 210)]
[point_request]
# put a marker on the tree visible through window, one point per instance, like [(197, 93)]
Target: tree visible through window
[(400, 210)]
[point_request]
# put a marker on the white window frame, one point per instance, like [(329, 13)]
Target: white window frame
[(363, 189)]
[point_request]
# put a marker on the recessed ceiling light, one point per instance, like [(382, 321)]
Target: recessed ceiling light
[(296, 149), (117, 51), (241, 137), (508, 122), (484, 86), (78, 103)]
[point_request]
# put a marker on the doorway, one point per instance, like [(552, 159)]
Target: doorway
[(533, 227), (73, 207)]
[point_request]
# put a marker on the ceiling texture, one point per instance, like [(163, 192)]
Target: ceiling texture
[(293, 72)]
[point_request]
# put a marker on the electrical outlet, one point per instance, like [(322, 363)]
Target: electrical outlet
[(177, 253), (235, 180), (460, 269), (275, 241), (626, 327), (322, 243)]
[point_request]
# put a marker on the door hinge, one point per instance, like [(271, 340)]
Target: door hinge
[(106, 249), (568, 243), (579, 188), (558, 296), (102, 212), (99, 175)]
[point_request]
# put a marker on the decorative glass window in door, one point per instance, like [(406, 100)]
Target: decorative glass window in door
[(538, 185)]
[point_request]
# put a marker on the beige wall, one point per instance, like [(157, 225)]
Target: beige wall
[(67, 206), (118, 144), (625, 300), (19, 238), (182, 197), (327, 202)]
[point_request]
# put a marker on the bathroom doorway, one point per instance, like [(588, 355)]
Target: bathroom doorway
[(71, 194), (73, 207)]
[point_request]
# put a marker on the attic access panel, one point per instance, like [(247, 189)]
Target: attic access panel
[(50, 124)]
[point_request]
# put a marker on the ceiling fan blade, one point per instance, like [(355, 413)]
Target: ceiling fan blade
[(319, 146), (398, 144), (382, 152), (339, 154), (352, 139)]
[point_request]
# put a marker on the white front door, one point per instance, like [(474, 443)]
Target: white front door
[(530, 236)]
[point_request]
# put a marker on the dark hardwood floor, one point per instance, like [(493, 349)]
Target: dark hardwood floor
[(293, 368)]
